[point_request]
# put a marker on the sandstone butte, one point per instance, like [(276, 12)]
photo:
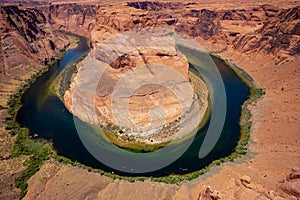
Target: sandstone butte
[(150, 74), (261, 38)]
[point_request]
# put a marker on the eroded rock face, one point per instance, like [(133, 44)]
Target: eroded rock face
[(113, 20), (279, 34), (67, 181), (198, 23), (26, 38), (266, 29), (209, 194), (74, 18), (291, 184), (155, 6)]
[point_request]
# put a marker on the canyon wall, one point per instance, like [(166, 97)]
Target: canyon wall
[(79, 19), (31, 37), (27, 38), (31, 33), (263, 29)]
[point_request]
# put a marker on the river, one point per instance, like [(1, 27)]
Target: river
[(45, 114)]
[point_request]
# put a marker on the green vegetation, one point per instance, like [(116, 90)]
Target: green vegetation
[(38, 152), (131, 144)]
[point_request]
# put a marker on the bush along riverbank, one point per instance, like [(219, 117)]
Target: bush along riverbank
[(245, 119)]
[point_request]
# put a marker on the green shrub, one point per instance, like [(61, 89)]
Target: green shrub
[(10, 124), (38, 152)]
